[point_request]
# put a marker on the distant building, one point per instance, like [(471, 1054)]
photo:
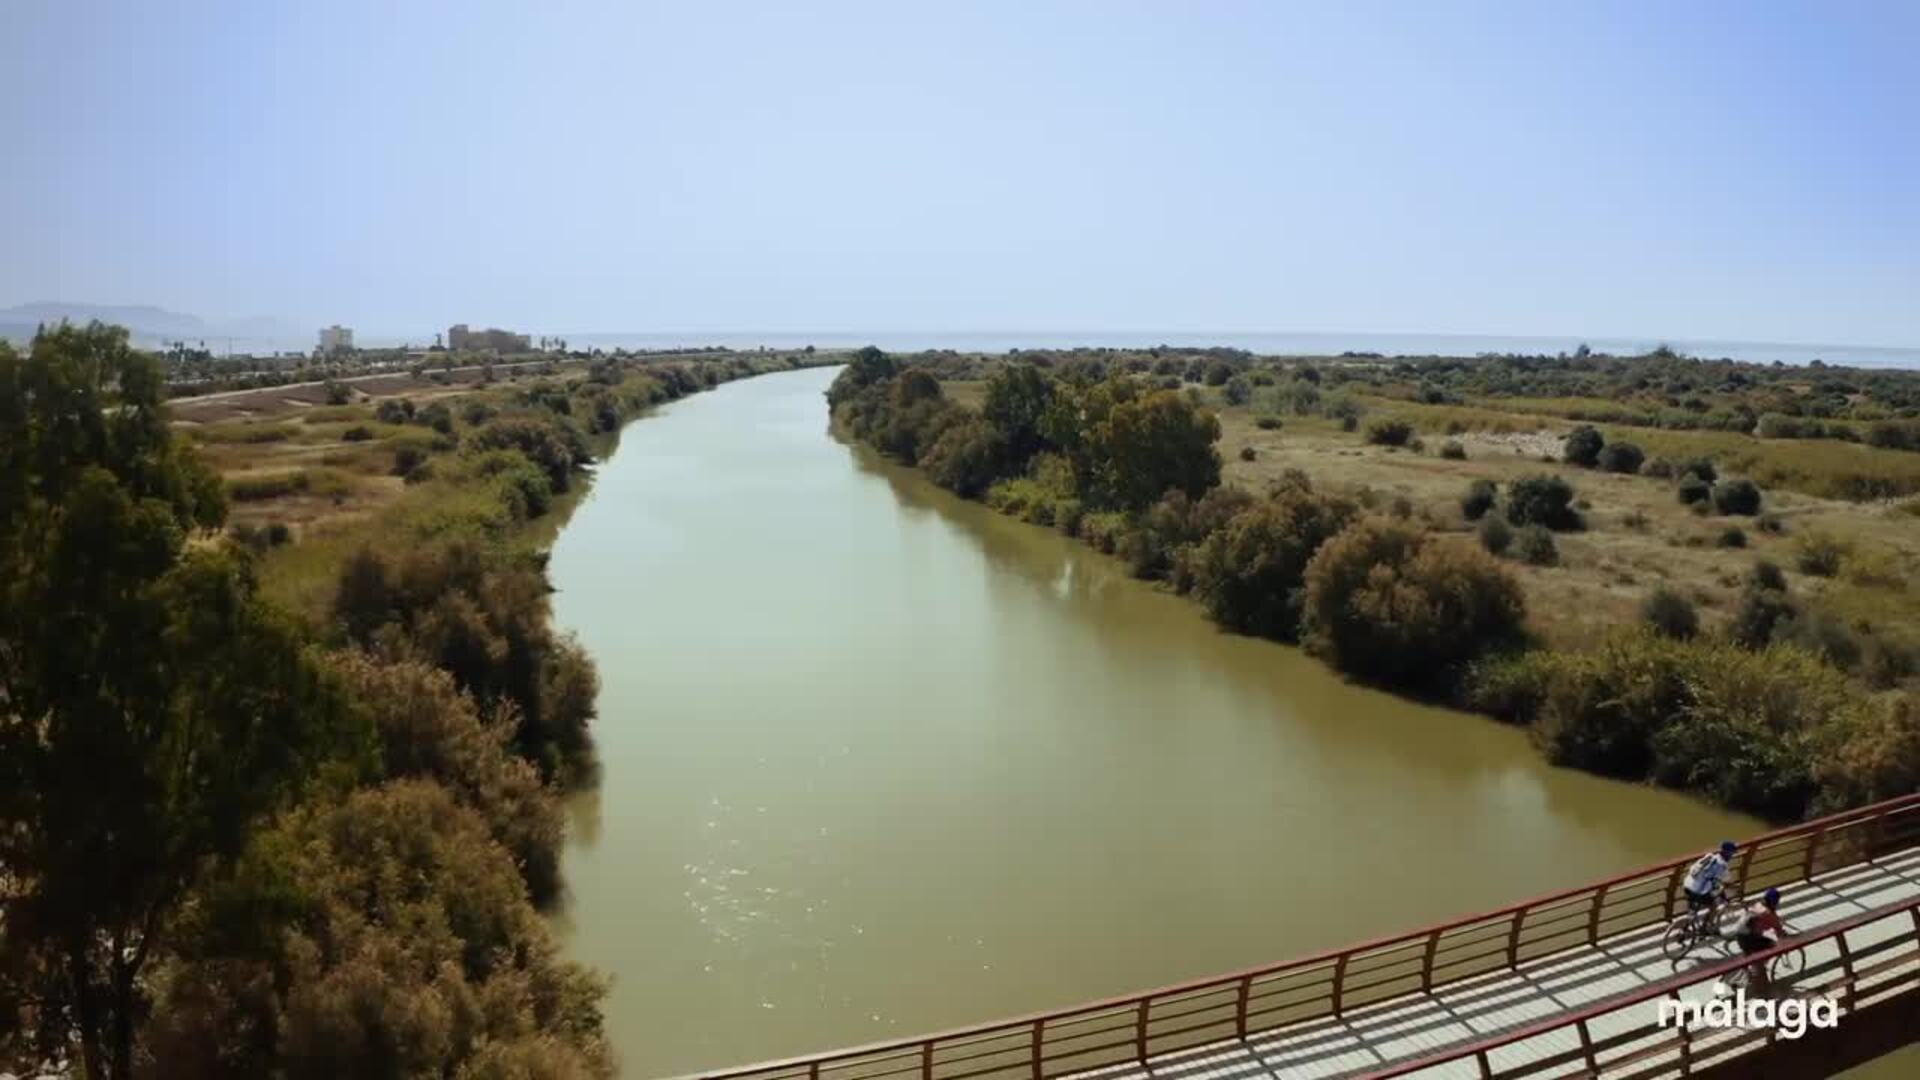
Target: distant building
[(335, 339), (461, 339)]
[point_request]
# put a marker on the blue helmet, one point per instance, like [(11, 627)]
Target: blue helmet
[(1772, 898), (1727, 847)]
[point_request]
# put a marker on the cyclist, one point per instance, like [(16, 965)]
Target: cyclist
[(1706, 877), (1760, 921)]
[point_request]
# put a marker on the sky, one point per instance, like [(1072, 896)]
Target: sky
[(1696, 170)]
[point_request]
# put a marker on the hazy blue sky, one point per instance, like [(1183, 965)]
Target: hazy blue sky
[(1686, 170)]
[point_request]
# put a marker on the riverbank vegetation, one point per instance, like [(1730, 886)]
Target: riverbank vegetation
[(281, 759), (1592, 547)]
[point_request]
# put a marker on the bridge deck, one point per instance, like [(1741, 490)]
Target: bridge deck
[(1409, 1028)]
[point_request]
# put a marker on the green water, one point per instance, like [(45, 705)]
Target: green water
[(878, 761)]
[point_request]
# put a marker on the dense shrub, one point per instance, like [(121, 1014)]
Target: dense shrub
[(1248, 453), (1693, 491), (1394, 605), (1237, 391), (1699, 715), (1496, 536), (1670, 614), (1389, 432), (385, 935), (1478, 500), (1766, 575), (1621, 457), (1737, 497), (483, 618), (1760, 613), (1535, 546), (1453, 451), (1268, 423), (1731, 537), (1542, 500), (1582, 446), (357, 433), (1871, 753), (967, 457), (1249, 570)]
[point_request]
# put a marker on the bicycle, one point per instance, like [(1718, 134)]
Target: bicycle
[(1779, 970), (1688, 930)]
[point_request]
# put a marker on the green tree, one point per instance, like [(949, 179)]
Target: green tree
[(1248, 571), (155, 708), (1386, 602), (1017, 399), (1155, 443)]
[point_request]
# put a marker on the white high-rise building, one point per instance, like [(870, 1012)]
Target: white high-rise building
[(336, 338)]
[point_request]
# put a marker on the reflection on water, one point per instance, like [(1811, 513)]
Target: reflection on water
[(879, 761)]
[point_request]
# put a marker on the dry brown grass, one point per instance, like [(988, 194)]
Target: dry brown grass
[(1638, 535)]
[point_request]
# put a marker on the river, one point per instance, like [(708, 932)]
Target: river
[(879, 761)]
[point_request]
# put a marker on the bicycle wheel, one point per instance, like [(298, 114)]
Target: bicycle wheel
[(1679, 938), (1787, 965), (1727, 916)]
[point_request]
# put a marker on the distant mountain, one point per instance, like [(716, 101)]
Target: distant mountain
[(148, 324)]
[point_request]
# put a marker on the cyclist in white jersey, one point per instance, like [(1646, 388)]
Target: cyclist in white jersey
[(1706, 875)]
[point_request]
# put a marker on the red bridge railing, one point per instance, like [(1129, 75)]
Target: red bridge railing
[(1135, 1027), (1635, 1044)]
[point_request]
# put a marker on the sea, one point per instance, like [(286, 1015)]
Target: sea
[(1274, 344), (1264, 343)]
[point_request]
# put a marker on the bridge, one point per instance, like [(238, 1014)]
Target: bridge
[(1567, 984)]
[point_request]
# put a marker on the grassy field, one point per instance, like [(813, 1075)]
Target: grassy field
[(1638, 536)]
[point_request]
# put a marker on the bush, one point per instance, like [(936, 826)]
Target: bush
[(1582, 446), (1349, 422), (1766, 575), (1453, 451), (1871, 753), (1237, 391), (1536, 546), (1478, 500), (1698, 715), (1701, 467), (1495, 535), (1693, 491), (408, 460), (1248, 572), (357, 433), (1670, 615), (1248, 453), (967, 458), (1391, 604), (1542, 500), (1659, 468), (1621, 457), (1761, 612), (1268, 423), (1389, 432), (1737, 497), (1821, 554), (1731, 537), (1218, 372)]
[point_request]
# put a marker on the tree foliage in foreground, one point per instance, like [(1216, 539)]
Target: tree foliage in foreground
[(154, 708)]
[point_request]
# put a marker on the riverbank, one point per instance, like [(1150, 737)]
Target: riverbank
[(311, 480), (1407, 600)]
